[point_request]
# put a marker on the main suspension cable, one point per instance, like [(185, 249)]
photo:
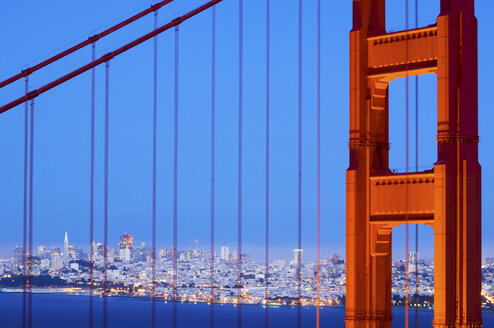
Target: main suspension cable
[(107, 57), (90, 40)]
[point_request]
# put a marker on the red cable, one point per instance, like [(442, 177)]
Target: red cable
[(84, 43), (107, 57)]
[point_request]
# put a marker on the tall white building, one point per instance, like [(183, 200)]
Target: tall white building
[(233, 257), (45, 264), (125, 255), (66, 248), (297, 256), (225, 253), (56, 262), (41, 251), (126, 247), (93, 250)]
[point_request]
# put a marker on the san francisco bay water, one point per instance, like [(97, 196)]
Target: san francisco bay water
[(67, 311)]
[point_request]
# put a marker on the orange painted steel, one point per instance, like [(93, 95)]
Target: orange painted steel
[(447, 197), (107, 57)]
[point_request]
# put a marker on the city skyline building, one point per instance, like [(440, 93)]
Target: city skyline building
[(66, 248), (93, 250), (18, 255), (225, 253), (336, 259), (297, 256), (127, 247), (56, 262), (55, 250), (100, 250), (42, 250)]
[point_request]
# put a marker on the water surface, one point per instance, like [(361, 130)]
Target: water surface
[(64, 311)]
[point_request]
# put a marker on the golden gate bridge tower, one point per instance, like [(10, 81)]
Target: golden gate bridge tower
[(447, 197)]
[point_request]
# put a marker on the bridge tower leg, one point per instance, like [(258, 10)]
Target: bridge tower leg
[(446, 197)]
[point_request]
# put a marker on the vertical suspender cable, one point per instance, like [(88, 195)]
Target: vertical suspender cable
[(105, 254), (407, 142), (268, 64), (30, 259), (175, 180), (153, 221), (24, 233), (299, 253), (318, 272), (213, 144), (416, 169), (240, 100), (91, 191)]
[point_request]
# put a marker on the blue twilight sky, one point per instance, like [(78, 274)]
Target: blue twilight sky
[(33, 30)]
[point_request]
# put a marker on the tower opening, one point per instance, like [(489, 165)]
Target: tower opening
[(427, 14), (423, 296), (427, 123)]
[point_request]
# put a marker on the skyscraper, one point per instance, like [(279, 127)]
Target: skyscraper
[(336, 259), (56, 262), (66, 248), (93, 250), (19, 256), (225, 253), (72, 252), (42, 251), (100, 250), (126, 247), (233, 257), (297, 256), (55, 250)]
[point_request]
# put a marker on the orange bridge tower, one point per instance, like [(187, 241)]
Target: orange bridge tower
[(447, 197)]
